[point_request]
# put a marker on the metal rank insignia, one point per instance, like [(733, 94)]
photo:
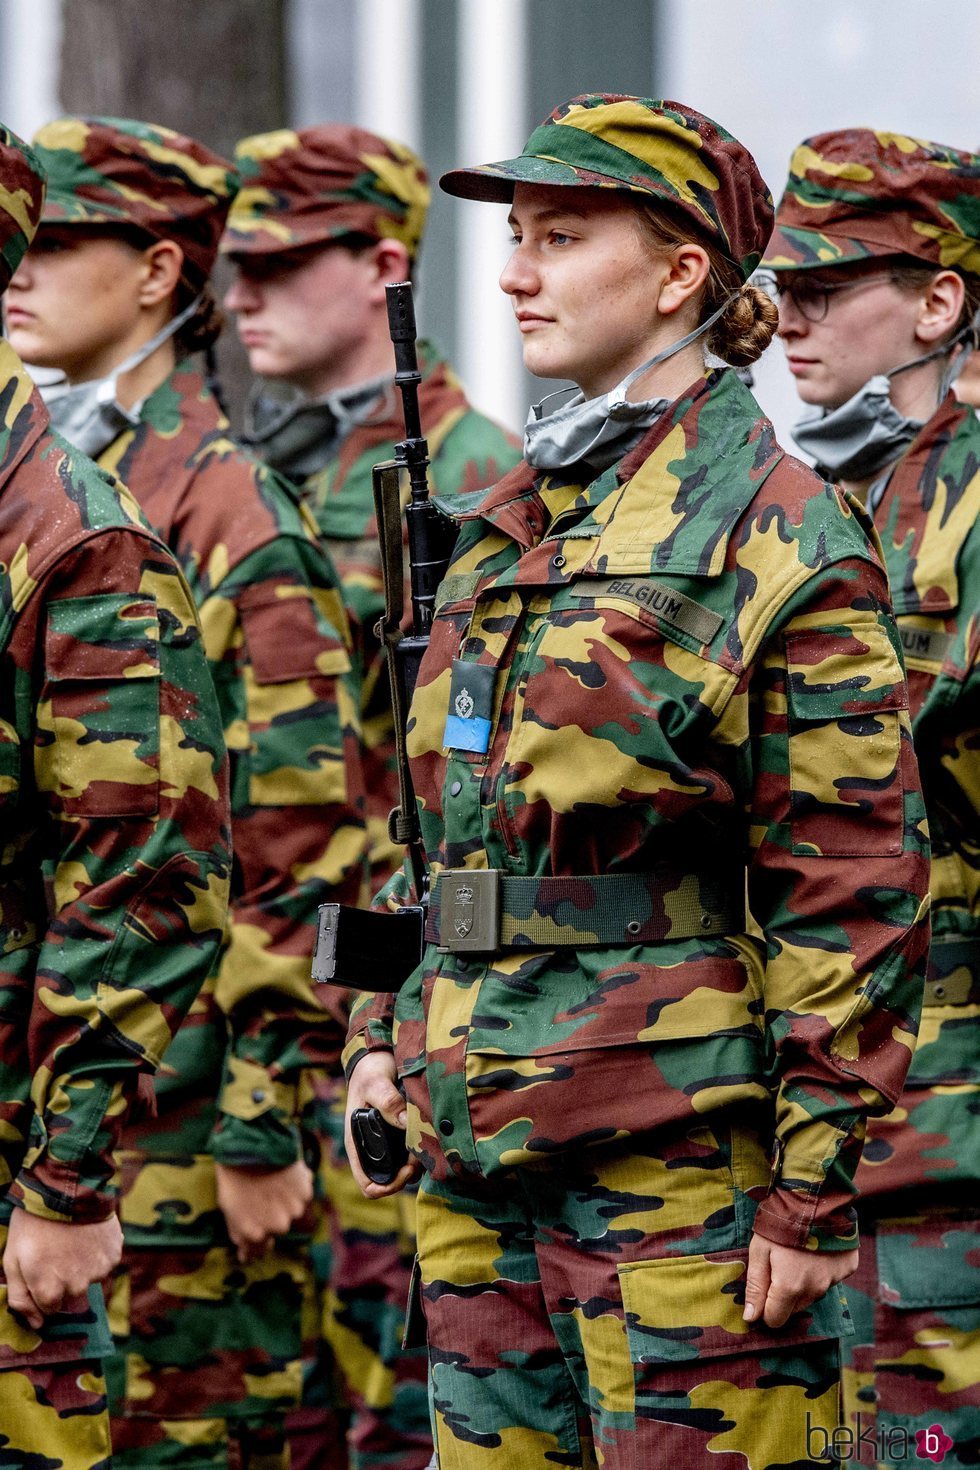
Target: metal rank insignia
[(470, 708)]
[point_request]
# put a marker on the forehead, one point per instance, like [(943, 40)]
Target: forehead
[(548, 201)]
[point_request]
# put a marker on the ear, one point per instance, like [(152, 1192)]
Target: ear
[(939, 307), (160, 275), (390, 264), (687, 268)]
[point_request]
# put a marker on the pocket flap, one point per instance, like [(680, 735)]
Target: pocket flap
[(835, 672), (288, 638), (929, 1265), (681, 1308), (112, 636)]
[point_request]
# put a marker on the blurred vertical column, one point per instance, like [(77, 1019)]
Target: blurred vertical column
[(30, 36), (386, 77), (491, 124)]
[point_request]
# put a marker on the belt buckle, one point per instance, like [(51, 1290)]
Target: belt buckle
[(469, 910)]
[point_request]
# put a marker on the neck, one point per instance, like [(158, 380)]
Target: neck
[(664, 380), (374, 358), (140, 381), (915, 393)]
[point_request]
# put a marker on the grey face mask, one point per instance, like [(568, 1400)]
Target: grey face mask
[(867, 433), (598, 430), (299, 435), (89, 415)]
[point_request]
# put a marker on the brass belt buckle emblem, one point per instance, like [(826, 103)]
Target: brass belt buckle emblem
[(469, 910)]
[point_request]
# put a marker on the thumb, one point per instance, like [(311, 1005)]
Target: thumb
[(757, 1279), (388, 1100), (19, 1298)]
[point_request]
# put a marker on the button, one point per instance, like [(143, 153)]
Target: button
[(634, 926), (939, 991), (462, 964), (558, 561), (258, 1095), (455, 788), (445, 1127)]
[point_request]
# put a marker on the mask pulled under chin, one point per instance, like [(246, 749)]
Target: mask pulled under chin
[(89, 415), (599, 430), (867, 433), (298, 435)]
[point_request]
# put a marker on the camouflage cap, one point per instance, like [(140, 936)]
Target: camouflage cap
[(21, 201), (857, 193), (321, 184), (112, 171), (662, 151)]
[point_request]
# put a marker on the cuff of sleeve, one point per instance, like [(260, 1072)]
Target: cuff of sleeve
[(257, 1119), (373, 1037), (56, 1191), (802, 1220)]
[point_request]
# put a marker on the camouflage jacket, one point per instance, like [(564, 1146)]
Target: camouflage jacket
[(278, 645), (468, 452), (929, 521), (114, 810), (689, 660)]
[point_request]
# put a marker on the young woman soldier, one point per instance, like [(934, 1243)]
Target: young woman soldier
[(667, 787), (207, 1311), (877, 260)]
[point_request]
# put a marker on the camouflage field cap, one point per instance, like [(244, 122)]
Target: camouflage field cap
[(21, 201), (855, 194), (112, 171), (661, 151), (321, 184)]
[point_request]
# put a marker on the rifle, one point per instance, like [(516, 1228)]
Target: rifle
[(352, 944)]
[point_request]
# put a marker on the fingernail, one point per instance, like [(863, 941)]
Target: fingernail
[(750, 1313), (403, 1119)]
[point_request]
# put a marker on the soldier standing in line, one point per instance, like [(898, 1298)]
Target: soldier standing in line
[(663, 681), (325, 218), (216, 1282), (113, 878), (876, 255)]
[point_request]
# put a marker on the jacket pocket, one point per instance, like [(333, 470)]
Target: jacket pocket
[(680, 1309)]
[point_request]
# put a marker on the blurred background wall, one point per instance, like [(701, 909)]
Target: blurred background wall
[(466, 80)]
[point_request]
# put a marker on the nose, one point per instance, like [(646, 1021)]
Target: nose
[(519, 276), (21, 278), (792, 322), (243, 294)]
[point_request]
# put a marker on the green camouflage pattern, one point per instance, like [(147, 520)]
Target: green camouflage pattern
[(239, 1074), (913, 1364), (118, 172), (320, 184), (467, 453), (365, 1260), (928, 1149), (770, 720), (22, 185), (113, 875), (612, 1291), (663, 152), (857, 193)]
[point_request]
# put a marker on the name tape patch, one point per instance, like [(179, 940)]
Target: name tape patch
[(666, 602), (930, 644)]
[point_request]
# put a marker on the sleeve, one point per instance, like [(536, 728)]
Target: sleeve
[(279, 647), (131, 780), (838, 886)]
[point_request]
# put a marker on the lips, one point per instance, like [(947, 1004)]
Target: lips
[(17, 314), (528, 322)]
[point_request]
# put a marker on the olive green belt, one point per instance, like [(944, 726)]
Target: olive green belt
[(486, 910)]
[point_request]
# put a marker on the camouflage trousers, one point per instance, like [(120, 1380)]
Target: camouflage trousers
[(208, 1352), (912, 1369), (589, 1312), (363, 1255), (52, 1393)]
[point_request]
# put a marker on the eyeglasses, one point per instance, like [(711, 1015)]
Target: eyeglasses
[(812, 298)]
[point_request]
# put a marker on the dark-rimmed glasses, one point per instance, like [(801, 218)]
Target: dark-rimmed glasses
[(812, 298)]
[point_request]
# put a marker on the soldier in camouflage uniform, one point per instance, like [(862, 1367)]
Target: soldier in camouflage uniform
[(877, 261), (113, 879), (324, 218), (663, 679), (209, 1337)]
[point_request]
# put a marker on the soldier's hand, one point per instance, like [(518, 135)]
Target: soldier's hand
[(259, 1204), (49, 1262), (372, 1085), (782, 1280)]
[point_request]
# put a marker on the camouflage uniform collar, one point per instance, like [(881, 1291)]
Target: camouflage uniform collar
[(671, 504), (18, 432), (923, 486)]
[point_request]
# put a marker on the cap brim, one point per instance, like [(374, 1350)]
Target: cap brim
[(792, 249), (494, 182), (69, 209), (262, 241)]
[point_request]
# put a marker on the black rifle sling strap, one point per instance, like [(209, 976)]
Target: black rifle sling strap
[(388, 509)]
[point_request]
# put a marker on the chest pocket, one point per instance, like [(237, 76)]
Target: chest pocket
[(297, 702), (847, 707), (98, 721)]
